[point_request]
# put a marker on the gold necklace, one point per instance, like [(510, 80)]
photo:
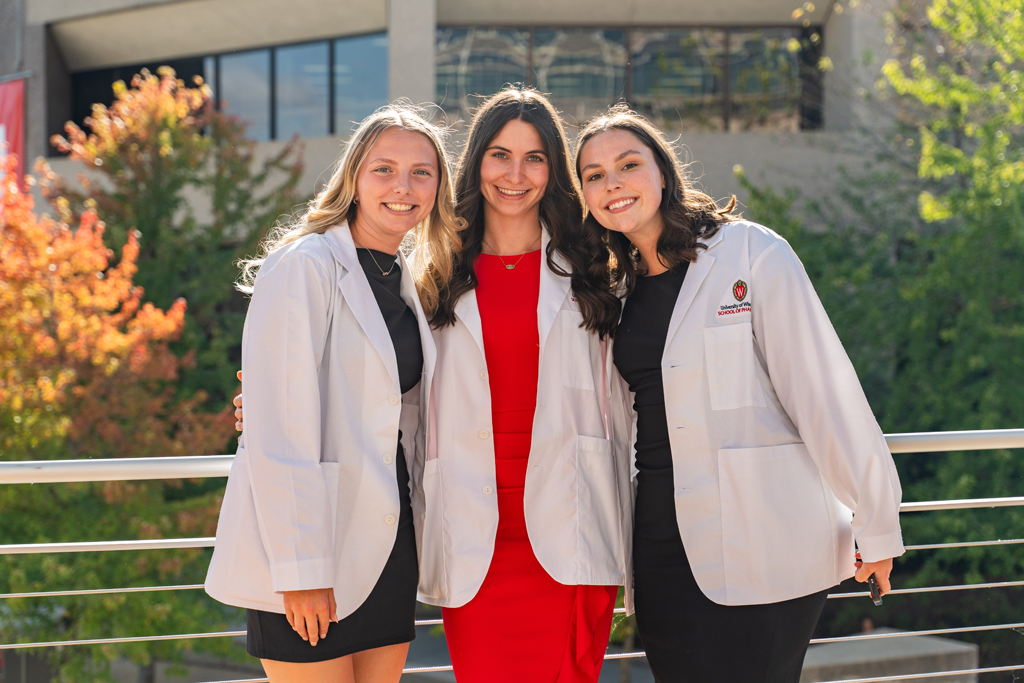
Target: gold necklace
[(510, 266), (370, 252)]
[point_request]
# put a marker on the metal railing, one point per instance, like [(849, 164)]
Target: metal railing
[(199, 467)]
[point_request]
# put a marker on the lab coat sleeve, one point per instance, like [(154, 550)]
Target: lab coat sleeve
[(818, 387), (285, 335)]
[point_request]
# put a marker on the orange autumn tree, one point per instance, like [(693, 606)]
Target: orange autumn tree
[(86, 372)]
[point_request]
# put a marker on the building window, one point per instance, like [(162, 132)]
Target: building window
[(478, 61), (243, 90), (301, 91), (360, 79), (681, 78), (677, 78)]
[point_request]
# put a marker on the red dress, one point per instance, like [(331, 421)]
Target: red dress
[(522, 625)]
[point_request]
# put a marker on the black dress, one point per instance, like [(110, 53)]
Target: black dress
[(688, 637), (387, 616)]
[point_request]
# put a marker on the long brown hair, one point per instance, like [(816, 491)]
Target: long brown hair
[(687, 212), (561, 210), (435, 237)]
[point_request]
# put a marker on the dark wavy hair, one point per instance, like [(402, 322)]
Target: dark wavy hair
[(561, 210), (687, 212)]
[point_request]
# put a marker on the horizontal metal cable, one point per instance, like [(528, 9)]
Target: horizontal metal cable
[(101, 591), (107, 546), (907, 634), (962, 504), (131, 639), (965, 544), (202, 466), (934, 442), (933, 589), (426, 669), (114, 469), (934, 674)]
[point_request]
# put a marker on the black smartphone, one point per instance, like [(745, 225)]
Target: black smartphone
[(876, 595)]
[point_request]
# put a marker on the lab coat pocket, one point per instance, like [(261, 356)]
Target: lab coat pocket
[(776, 528), (577, 369), (600, 510), (430, 532), (331, 472), (732, 375)]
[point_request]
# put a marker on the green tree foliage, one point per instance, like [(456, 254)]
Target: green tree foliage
[(922, 273), (184, 177)]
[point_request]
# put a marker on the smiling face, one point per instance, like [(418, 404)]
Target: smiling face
[(622, 184), (396, 188), (514, 172)]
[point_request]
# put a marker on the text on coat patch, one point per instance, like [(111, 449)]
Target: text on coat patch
[(739, 292)]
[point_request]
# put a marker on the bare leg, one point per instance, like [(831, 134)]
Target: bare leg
[(332, 671), (380, 665)]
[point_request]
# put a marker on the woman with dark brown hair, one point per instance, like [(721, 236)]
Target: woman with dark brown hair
[(758, 460), (525, 523)]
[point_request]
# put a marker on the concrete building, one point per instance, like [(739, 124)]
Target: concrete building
[(738, 80)]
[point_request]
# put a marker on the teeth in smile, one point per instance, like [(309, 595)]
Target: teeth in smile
[(621, 203), (514, 193), (399, 207)]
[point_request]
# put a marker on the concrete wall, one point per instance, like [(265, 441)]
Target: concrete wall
[(411, 28)]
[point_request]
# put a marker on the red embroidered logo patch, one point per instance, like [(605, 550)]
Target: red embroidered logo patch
[(739, 290)]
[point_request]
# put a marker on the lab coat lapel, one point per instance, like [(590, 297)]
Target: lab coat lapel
[(695, 275), (468, 311), (410, 297), (553, 289), (359, 297)]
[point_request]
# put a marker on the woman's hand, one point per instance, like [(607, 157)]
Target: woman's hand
[(238, 405), (309, 612), (880, 569)]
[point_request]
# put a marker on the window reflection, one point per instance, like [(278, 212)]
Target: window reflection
[(677, 78), (478, 61), (583, 69), (764, 79), (244, 90), (360, 79), (300, 89)]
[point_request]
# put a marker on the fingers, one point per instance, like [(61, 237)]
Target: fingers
[(332, 606), (883, 582), (237, 400), (863, 572), (239, 375)]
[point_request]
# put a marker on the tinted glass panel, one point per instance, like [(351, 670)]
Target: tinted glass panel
[(478, 62), (244, 90), (301, 90), (583, 69), (765, 79), (360, 79), (677, 78)]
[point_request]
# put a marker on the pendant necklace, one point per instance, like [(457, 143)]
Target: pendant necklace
[(510, 266)]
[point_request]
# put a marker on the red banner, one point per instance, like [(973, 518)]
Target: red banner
[(12, 124)]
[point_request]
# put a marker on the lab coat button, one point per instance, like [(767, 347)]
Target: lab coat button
[(488, 490), (483, 375), (393, 400), (387, 458), (389, 520), (483, 434)]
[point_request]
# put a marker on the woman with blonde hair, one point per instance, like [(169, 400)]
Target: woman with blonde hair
[(758, 461), (316, 537)]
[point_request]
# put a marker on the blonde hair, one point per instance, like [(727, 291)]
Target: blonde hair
[(436, 238)]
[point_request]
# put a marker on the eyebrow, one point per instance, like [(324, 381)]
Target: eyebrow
[(379, 160), (618, 158), (505, 149)]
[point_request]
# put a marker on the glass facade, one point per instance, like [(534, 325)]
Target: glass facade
[(301, 91), (243, 90), (475, 62), (681, 78), (360, 79)]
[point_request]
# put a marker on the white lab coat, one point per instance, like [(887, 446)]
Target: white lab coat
[(577, 496), (312, 499), (773, 442)]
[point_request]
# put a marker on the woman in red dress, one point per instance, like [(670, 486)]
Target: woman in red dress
[(528, 581)]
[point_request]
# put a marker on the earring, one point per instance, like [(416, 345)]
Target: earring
[(355, 201)]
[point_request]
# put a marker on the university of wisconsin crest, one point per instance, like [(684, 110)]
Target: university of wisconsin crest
[(739, 290)]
